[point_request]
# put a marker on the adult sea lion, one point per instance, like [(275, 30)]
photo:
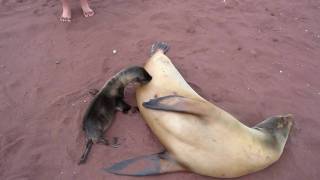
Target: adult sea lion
[(99, 115), (199, 136)]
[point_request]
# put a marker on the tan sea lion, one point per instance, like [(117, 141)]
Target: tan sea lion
[(100, 112), (199, 136)]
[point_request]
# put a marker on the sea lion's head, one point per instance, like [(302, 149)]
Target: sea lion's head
[(277, 126)]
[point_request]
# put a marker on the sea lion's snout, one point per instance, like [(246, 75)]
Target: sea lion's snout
[(282, 127), (278, 127), (280, 124), (276, 122), (284, 122), (287, 120)]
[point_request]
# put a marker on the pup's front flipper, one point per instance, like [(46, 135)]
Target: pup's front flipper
[(103, 141), (115, 142), (154, 164), (134, 109), (178, 104), (122, 106)]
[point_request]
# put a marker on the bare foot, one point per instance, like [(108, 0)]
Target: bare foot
[(87, 11), (65, 19), (66, 12)]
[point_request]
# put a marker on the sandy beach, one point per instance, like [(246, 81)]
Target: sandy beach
[(253, 58)]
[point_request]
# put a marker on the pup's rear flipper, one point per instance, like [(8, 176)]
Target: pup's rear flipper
[(154, 164), (178, 104), (85, 154)]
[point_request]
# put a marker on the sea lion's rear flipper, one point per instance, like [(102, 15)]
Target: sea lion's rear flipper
[(164, 47), (178, 104), (154, 164)]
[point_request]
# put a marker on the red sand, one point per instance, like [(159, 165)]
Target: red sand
[(254, 58)]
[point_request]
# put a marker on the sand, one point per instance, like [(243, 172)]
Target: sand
[(254, 58)]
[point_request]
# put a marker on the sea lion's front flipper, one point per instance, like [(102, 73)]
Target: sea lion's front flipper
[(178, 104), (154, 164)]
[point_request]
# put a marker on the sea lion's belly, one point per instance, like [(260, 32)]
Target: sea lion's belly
[(166, 80)]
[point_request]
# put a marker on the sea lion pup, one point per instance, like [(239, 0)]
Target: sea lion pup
[(99, 115), (199, 136)]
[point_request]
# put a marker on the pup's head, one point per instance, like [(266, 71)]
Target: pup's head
[(137, 74), (143, 76)]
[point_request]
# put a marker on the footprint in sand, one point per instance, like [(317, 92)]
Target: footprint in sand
[(261, 76), (106, 65), (161, 16), (38, 12), (216, 98), (16, 2), (4, 2), (11, 142), (20, 1), (197, 89), (191, 30)]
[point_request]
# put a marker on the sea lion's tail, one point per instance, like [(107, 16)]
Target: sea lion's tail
[(163, 46), (86, 152), (154, 164)]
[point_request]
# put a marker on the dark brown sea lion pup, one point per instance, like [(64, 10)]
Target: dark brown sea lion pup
[(99, 115), (199, 136)]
